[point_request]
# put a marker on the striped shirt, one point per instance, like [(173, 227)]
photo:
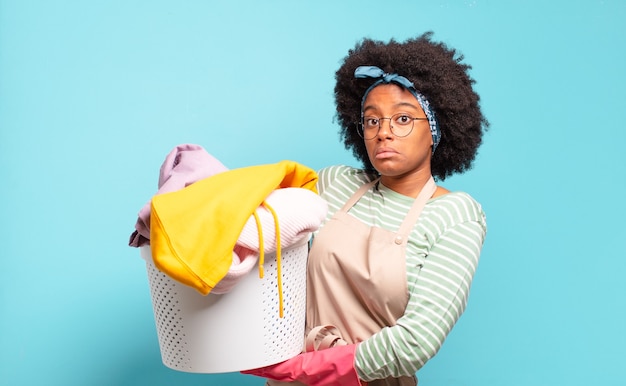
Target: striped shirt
[(441, 258)]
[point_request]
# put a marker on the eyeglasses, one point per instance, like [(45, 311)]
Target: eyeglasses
[(400, 124)]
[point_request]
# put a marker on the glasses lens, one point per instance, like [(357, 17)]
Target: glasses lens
[(369, 127), (402, 124)]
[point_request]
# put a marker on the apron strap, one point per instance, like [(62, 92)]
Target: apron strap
[(357, 195), (416, 209)]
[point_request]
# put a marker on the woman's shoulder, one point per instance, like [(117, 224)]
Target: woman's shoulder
[(457, 207), (344, 171), (342, 175)]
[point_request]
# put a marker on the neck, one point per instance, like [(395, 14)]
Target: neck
[(407, 185)]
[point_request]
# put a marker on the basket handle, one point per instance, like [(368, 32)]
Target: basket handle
[(323, 337)]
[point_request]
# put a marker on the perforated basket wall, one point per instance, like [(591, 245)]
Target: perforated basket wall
[(236, 331)]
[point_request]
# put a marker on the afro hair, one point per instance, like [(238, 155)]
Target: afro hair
[(438, 73)]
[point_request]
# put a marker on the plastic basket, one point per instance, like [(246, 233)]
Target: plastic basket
[(236, 331)]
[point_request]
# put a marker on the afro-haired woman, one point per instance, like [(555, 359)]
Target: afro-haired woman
[(390, 271)]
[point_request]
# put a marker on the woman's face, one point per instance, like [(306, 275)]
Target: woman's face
[(392, 156)]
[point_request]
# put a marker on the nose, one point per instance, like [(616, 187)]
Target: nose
[(384, 130)]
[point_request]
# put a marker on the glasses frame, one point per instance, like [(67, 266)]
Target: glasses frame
[(361, 132)]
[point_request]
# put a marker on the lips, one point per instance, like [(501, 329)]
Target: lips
[(385, 152)]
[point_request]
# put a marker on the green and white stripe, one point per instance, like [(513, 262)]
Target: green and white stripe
[(442, 255)]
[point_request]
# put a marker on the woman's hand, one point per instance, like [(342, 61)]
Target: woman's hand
[(331, 367)]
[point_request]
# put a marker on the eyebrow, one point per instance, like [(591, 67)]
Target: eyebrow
[(397, 105)]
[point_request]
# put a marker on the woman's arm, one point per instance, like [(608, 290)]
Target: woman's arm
[(438, 293)]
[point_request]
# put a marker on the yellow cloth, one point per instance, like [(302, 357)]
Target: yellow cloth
[(193, 230)]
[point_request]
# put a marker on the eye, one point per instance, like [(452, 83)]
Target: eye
[(370, 122), (402, 119)]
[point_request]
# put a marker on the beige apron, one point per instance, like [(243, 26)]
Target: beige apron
[(356, 279)]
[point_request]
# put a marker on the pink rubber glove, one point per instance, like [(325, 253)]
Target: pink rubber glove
[(331, 367)]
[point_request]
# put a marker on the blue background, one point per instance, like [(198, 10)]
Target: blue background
[(94, 94)]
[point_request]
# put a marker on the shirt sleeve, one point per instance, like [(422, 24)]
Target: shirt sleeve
[(326, 176), (438, 293), (340, 174)]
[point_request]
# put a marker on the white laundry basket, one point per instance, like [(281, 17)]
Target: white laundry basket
[(236, 331)]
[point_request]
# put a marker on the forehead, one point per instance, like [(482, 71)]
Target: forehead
[(390, 96)]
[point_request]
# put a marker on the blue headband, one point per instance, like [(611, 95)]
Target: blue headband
[(382, 77)]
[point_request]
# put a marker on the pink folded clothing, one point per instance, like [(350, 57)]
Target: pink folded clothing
[(184, 165), (299, 212)]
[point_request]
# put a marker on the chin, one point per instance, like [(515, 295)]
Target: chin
[(386, 172), (385, 167)]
